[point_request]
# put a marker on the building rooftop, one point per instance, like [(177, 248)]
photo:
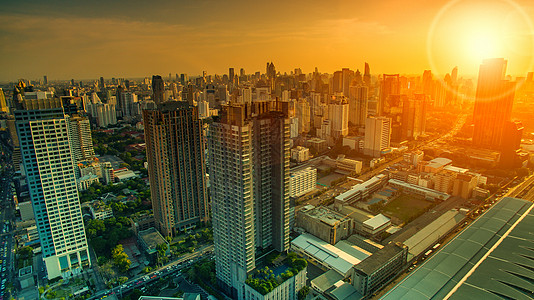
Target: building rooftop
[(456, 169), (490, 259), (344, 291), (365, 243), (327, 280), (25, 271), (152, 238), (423, 189), (88, 177), (380, 258), (333, 256), (441, 161), (356, 214), (298, 171), (431, 233), (377, 221), (323, 214), (360, 187)]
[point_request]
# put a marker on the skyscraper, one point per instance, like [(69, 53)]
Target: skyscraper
[(367, 75), (493, 104), (158, 89), (45, 80), (80, 138), (176, 166), (231, 75), (3, 103), (338, 113), (358, 104), (377, 135), (49, 164), (249, 175), (390, 85)]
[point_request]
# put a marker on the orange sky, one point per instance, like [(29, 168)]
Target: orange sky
[(140, 38)]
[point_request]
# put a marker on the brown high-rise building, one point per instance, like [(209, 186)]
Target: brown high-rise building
[(390, 85), (158, 89), (176, 166), (493, 104)]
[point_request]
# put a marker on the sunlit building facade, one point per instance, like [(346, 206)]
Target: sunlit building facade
[(49, 165), (249, 187)]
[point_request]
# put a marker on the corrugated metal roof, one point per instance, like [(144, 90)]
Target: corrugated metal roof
[(493, 258), (377, 221), (332, 256)]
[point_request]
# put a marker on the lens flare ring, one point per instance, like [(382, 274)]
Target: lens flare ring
[(442, 12)]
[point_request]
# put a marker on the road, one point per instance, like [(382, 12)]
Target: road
[(6, 236), (170, 269)]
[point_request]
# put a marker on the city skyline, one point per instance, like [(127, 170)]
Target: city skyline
[(88, 40)]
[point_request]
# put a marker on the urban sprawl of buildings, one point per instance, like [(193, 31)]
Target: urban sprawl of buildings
[(269, 186)]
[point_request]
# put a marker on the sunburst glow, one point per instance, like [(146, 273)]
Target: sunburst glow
[(467, 31)]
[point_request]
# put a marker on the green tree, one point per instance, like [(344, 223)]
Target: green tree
[(303, 292), (120, 258)]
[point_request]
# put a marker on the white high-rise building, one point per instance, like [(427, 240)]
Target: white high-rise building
[(338, 113), (80, 138), (203, 109), (49, 167), (105, 114), (249, 187), (377, 135)]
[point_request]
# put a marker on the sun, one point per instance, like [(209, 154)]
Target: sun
[(465, 32), (481, 44)]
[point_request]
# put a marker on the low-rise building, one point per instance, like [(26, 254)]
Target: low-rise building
[(107, 172), (434, 166), (287, 289), (123, 174), (480, 193), (302, 181), (349, 165), (414, 157), (374, 226), (362, 190), (318, 144), (428, 193), (463, 185), (26, 210), (100, 211), (376, 161), (444, 181), (376, 270), (300, 154), (86, 181), (354, 142), (149, 240), (332, 286), (340, 257), (185, 296), (326, 224), (142, 222), (26, 277)]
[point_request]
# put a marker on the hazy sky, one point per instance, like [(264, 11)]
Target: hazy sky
[(89, 39)]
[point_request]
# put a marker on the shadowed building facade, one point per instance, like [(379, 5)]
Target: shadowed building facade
[(176, 168), (493, 104)]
